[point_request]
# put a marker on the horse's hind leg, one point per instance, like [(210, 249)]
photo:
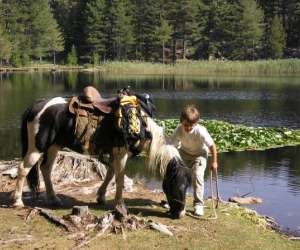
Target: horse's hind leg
[(102, 189), (46, 168), (120, 157), (31, 158)]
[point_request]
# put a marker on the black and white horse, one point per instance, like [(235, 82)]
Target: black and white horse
[(48, 126)]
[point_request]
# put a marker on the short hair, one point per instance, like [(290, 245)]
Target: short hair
[(190, 114)]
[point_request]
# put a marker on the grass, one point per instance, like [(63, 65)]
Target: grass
[(236, 137), (200, 67), (204, 67), (235, 228)]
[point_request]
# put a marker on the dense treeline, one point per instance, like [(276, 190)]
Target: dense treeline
[(92, 31)]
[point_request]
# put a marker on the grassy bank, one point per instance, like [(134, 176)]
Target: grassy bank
[(201, 67), (235, 228), (261, 67), (234, 137)]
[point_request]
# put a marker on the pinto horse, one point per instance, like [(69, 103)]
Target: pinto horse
[(48, 126)]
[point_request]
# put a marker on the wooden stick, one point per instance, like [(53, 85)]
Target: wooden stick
[(30, 215), (53, 218), (160, 227), (19, 240), (294, 238)]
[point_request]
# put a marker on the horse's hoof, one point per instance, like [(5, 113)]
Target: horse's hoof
[(18, 204), (55, 202)]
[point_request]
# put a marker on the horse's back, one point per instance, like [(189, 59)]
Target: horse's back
[(49, 122)]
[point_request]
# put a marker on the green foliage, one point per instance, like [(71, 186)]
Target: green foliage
[(151, 30), (5, 46), (16, 58), (122, 29), (72, 57), (277, 38), (163, 33), (252, 29), (25, 59), (229, 137), (146, 19), (95, 28)]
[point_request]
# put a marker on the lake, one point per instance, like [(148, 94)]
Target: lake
[(273, 175)]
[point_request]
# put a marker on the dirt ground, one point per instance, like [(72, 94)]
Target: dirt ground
[(234, 229)]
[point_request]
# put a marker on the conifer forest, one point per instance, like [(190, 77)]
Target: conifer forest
[(95, 31)]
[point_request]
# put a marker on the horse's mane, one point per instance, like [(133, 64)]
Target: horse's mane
[(160, 153)]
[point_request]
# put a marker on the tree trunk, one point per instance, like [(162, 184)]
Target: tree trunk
[(54, 58), (163, 53), (174, 51), (184, 50)]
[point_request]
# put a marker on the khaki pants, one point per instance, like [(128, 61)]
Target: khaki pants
[(198, 166)]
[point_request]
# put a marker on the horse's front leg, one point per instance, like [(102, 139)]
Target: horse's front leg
[(120, 156), (102, 189), (46, 169), (30, 159)]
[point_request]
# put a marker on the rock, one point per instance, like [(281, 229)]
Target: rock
[(245, 200)]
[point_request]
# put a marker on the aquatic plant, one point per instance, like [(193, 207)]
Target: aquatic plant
[(237, 137)]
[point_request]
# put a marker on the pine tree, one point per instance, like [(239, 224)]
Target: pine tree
[(186, 23), (43, 28), (163, 34), (120, 29), (252, 30), (219, 29), (65, 13), (72, 58), (277, 38), (146, 18), (95, 28), (201, 37), (5, 46), (14, 19)]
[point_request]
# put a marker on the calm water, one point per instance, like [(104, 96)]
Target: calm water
[(273, 175)]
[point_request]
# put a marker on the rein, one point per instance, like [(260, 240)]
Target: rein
[(215, 215)]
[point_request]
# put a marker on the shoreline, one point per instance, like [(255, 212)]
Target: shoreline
[(282, 67)]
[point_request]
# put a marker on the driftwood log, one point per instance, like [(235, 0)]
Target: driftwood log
[(70, 168), (245, 200)]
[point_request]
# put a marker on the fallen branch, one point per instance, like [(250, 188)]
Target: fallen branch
[(30, 215), (160, 227), (246, 200), (19, 240), (54, 219), (294, 238)]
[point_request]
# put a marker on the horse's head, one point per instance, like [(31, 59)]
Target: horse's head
[(176, 181)]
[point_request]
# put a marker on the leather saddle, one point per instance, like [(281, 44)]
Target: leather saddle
[(91, 100)]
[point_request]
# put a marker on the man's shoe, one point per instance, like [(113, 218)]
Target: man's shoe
[(199, 211)]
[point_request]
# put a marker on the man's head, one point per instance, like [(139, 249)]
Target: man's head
[(189, 117)]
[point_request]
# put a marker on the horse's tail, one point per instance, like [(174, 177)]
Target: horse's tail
[(33, 175)]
